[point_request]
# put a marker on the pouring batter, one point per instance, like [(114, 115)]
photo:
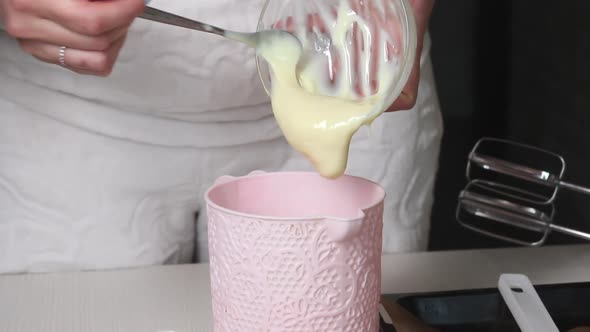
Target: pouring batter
[(106, 172), (318, 125)]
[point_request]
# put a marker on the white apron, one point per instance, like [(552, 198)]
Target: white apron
[(101, 173)]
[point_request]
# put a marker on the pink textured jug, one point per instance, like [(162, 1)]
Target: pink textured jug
[(294, 251)]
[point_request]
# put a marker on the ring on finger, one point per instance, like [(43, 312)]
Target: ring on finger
[(62, 56)]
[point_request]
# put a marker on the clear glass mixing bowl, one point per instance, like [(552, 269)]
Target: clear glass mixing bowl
[(398, 38)]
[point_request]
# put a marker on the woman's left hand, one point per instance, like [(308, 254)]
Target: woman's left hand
[(407, 99)]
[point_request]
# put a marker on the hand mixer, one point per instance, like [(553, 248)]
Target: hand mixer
[(517, 195)]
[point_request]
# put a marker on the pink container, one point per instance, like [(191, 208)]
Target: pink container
[(295, 252)]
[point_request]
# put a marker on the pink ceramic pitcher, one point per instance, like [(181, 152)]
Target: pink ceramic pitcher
[(293, 251)]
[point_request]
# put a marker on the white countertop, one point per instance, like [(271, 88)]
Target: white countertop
[(176, 298)]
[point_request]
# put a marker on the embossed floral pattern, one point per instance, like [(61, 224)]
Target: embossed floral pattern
[(291, 276)]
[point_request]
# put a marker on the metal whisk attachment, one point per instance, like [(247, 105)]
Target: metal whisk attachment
[(514, 200)]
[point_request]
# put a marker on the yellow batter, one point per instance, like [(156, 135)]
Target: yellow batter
[(317, 125)]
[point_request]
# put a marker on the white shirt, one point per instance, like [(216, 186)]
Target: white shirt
[(109, 172)]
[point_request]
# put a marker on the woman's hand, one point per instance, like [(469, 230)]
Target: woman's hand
[(407, 99), (376, 20), (92, 32)]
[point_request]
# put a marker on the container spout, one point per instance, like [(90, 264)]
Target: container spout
[(343, 229)]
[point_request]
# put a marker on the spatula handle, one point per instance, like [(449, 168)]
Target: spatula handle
[(525, 304)]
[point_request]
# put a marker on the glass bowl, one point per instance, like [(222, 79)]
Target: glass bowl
[(399, 42)]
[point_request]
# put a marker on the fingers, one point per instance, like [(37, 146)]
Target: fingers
[(53, 33), (92, 31), (407, 100), (422, 10), (90, 18), (98, 17), (81, 61)]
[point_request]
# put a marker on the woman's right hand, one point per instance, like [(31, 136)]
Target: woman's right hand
[(93, 32)]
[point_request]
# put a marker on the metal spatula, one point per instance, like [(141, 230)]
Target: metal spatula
[(251, 39)]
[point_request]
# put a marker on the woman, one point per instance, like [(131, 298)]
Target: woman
[(105, 172)]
